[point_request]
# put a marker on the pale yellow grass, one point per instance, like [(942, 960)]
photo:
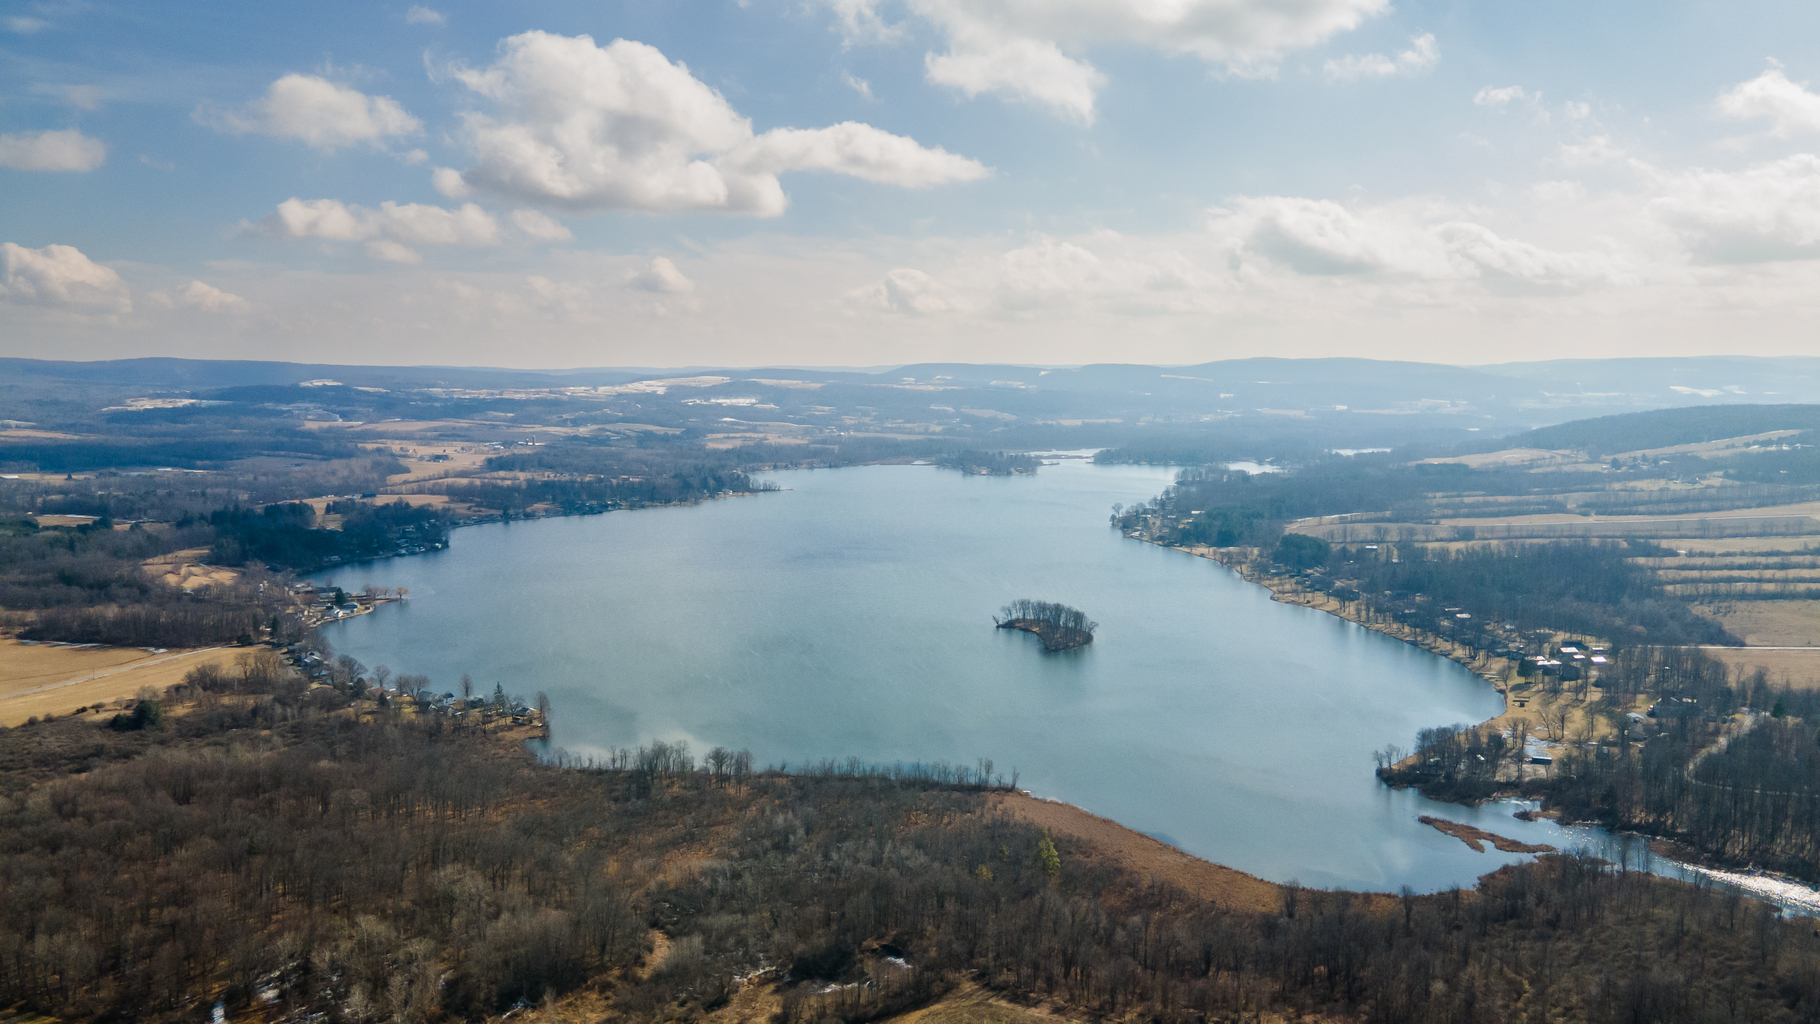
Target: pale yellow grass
[(1798, 668), (184, 569), (39, 679), (1769, 623)]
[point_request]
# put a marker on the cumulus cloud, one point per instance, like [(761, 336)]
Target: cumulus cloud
[(204, 296), (447, 180), (857, 84), (906, 291), (1421, 56), (388, 231), (1501, 96), (660, 276), (201, 295), (1767, 212), (1789, 106), (854, 149), (621, 127), (421, 15), (1317, 237), (60, 276), (1035, 70), (319, 113), (539, 226), (62, 150), (1032, 49)]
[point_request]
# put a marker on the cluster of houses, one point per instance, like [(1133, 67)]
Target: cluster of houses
[(316, 669)]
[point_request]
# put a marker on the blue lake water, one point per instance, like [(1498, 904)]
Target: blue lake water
[(851, 615)]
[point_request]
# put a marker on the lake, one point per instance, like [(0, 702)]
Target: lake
[(851, 615)]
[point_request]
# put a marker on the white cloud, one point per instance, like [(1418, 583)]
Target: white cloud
[(1035, 70), (210, 299), (854, 149), (1592, 152), (1790, 107), (1031, 49), (906, 291), (421, 15), (318, 112), (389, 230), (25, 26), (858, 85), (60, 276), (392, 252), (539, 226), (1103, 272), (1767, 212), (661, 276), (63, 150), (1490, 97), (447, 180), (1421, 56), (1317, 237), (621, 127)]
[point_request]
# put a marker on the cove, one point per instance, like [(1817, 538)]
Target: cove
[(850, 615)]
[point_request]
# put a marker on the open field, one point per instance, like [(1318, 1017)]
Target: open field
[(971, 1004), (1798, 668), (184, 569), (1509, 457), (43, 679), (1769, 623)]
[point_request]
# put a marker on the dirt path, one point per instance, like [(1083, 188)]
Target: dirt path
[(1225, 886)]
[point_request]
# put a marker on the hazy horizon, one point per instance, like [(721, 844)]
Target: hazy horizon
[(882, 182)]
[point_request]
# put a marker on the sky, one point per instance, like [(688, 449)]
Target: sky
[(869, 182)]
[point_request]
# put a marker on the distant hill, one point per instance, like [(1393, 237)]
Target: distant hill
[(1663, 428), (1259, 403)]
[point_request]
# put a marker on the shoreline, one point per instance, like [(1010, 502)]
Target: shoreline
[(1767, 886), (1223, 886)]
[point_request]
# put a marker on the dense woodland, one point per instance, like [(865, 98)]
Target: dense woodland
[(286, 535), (86, 585), (169, 496), (1752, 801), (1060, 627), (267, 849), (978, 463), (1590, 589)]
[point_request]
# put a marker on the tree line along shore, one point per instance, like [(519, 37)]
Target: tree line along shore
[(1617, 708), (286, 850)]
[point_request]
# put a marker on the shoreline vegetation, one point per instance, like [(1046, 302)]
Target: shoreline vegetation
[(1594, 750), (363, 852), (978, 463), (1476, 837), (1058, 626)]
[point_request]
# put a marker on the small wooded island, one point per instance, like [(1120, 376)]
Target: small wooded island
[(975, 463), (1058, 626)]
